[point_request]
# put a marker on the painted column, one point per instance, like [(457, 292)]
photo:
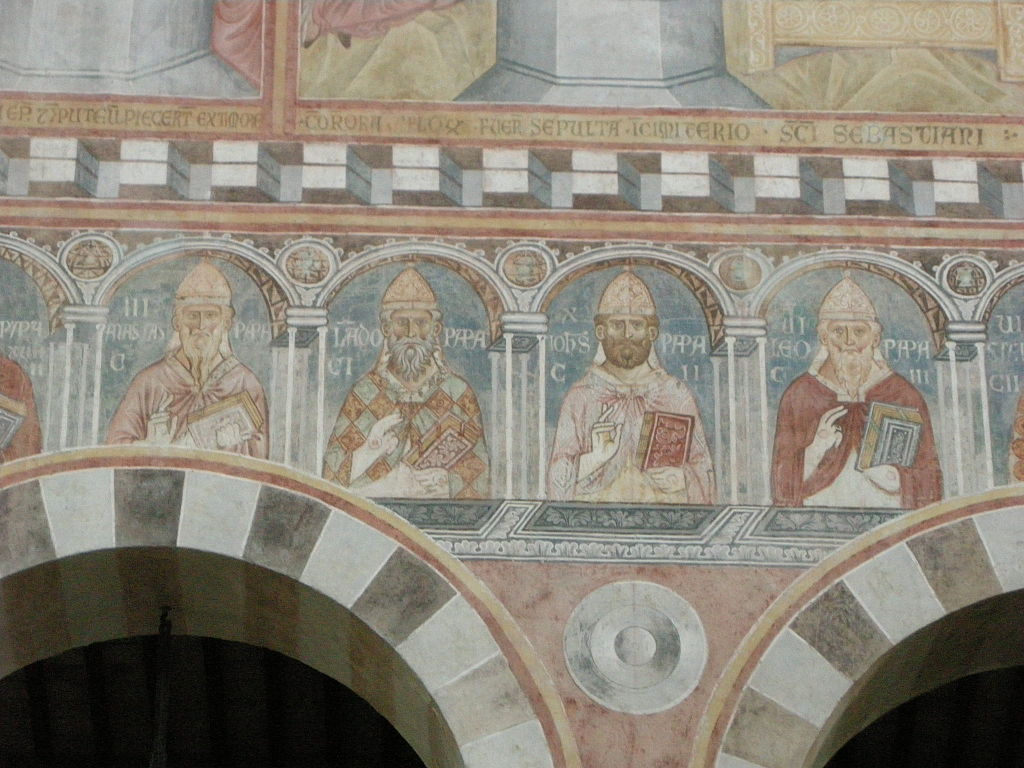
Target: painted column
[(524, 344), (968, 383), (746, 405), (297, 429), (79, 381)]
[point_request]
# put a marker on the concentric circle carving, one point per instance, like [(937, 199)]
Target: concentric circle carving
[(635, 647)]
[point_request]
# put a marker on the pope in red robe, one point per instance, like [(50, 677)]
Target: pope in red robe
[(824, 413), (198, 372), (16, 387)]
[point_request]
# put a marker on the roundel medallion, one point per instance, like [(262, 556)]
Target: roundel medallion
[(635, 647)]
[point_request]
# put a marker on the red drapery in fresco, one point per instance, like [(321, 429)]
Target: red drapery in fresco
[(365, 18), (238, 36)]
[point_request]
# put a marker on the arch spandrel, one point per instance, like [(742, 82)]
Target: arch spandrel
[(244, 550), (936, 307), (276, 290), (855, 635), (495, 295), (55, 285), (714, 300)]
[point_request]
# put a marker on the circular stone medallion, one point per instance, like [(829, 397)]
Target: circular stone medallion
[(635, 647), (307, 264), (966, 278), (89, 259), (740, 272), (524, 268)]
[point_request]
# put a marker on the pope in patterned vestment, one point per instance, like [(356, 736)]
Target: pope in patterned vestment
[(824, 412), (199, 371), (599, 434), (410, 428), (16, 386)]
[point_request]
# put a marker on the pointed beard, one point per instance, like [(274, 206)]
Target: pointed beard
[(202, 358), (852, 367), (409, 359)]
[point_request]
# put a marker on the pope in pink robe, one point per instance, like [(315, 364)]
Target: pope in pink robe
[(198, 371), (595, 456)]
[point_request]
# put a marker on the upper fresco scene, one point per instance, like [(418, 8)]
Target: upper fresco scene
[(204, 48), (842, 55)]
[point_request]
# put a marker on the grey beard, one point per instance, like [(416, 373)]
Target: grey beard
[(408, 359), (201, 362), (852, 368)]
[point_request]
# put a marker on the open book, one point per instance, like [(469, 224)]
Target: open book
[(12, 416), (444, 445), (891, 436), (226, 423), (664, 440)]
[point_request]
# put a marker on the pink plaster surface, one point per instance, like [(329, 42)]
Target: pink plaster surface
[(541, 596)]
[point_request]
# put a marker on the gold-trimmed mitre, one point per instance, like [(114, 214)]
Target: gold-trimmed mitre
[(203, 285), (627, 294), (408, 291), (847, 301)]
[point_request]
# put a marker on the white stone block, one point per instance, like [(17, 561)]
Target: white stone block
[(324, 176), (866, 189), (416, 179), (506, 158), (234, 175), (895, 592), (448, 644), (48, 170), (776, 165), (522, 746), (955, 191), (217, 513), (506, 182), (236, 151), (595, 183), (854, 167), (80, 509), (955, 170), (1002, 531), (765, 186), (346, 557), (325, 153), (415, 157), (58, 148), (144, 149), (588, 160), (685, 185), (812, 694), (144, 173), (684, 162)]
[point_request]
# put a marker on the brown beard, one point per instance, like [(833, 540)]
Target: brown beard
[(852, 367), (201, 359), (409, 359), (624, 353)]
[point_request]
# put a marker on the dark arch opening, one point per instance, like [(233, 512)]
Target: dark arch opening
[(231, 704), (974, 722)]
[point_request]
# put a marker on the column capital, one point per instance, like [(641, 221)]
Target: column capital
[(524, 323), (84, 313), (306, 317), (745, 327), (962, 331)]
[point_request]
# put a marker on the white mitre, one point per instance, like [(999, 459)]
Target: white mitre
[(205, 285), (409, 291), (847, 301), (627, 294)]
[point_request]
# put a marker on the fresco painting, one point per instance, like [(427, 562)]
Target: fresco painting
[(864, 409)]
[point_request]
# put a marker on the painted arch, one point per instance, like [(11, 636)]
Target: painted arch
[(924, 600), (97, 541)]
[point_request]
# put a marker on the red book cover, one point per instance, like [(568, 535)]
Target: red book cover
[(664, 440)]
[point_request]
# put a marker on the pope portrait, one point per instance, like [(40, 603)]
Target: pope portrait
[(824, 414), (599, 449), (19, 421), (411, 427), (184, 395)]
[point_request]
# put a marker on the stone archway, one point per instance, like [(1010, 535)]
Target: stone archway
[(926, 599), (96, 541)]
